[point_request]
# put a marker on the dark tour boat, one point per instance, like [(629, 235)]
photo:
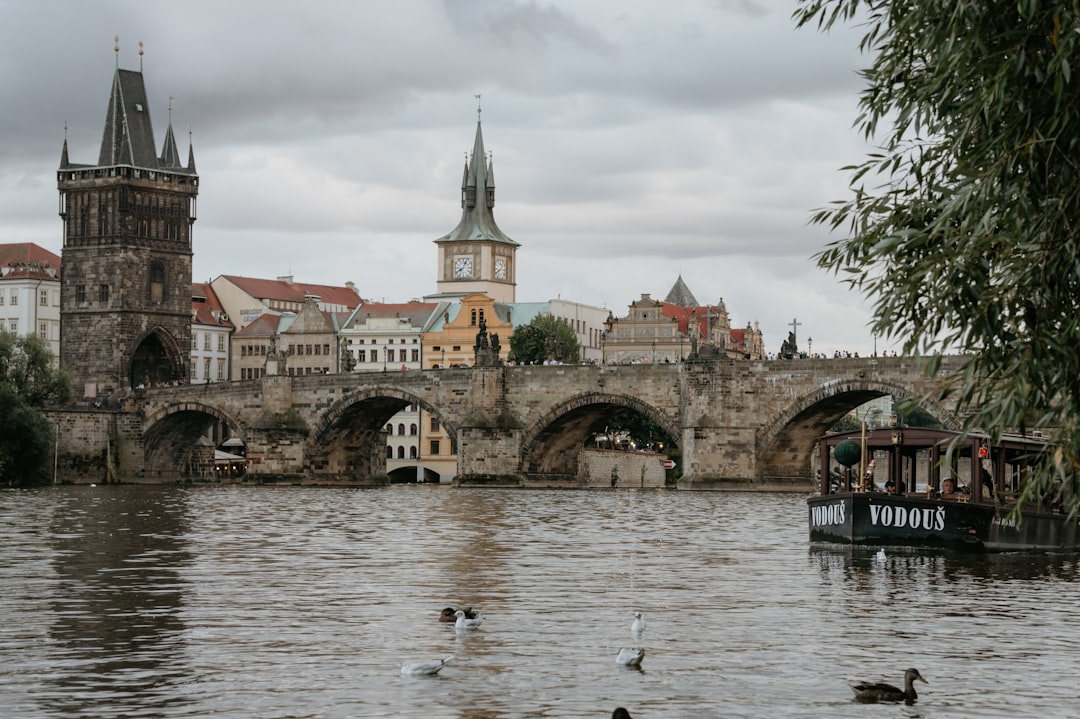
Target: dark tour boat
[(899, 492)]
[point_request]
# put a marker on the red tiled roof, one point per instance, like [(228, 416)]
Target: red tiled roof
[(210, 311), (284, 291), (25, 259)]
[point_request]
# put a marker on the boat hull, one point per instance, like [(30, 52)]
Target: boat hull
[(880, 518)]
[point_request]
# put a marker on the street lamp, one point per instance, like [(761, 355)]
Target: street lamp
[(384, 352), (654, 351), (810, 347)]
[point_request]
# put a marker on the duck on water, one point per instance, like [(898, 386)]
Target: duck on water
[(872, 692)]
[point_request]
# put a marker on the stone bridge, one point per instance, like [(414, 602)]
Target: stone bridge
[(732, 422)]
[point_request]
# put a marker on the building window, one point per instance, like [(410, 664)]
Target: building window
[(194, 370), (206, 343), (389, 452), (416, 355), (206, 369), (326, 349), (361, 356), (412, 427), (43, 298), (103, 293), (412, 452), (14, 298), (401, 429), (220, 369), (157, 281), (194, 340), (80, 294), (434, 424), (374, 355), (43, 331), (390, 429), (434, 446), (221, 343), (401, 452)]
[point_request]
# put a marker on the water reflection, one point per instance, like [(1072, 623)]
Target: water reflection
[(116, 631)]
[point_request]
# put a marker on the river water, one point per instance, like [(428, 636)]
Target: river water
[(302, 602)]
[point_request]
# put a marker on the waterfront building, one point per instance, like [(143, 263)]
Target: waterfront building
[(245, 299), (254, 344), (125, 312), (380, 336), (211, 336), (30, 293), (676, 328)]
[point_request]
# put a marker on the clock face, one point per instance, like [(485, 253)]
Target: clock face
[(500, 268), (463, 267)]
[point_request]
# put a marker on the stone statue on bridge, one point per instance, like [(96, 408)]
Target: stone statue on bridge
[(789, 349), (486, 351)]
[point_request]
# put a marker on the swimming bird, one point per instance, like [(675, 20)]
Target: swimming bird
[(639, 624), (630, 657), (880, 555), (449, 614), (463, 622), (880, 692), (620, 713), (420, 669)]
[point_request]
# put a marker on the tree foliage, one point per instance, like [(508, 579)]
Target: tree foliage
[(545, 337), (28, 383), (960, 228)]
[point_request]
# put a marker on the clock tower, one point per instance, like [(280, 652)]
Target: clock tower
[(476, 256)]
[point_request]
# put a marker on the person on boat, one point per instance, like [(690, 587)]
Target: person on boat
[(987, 482), (891, 488), (949, 486)]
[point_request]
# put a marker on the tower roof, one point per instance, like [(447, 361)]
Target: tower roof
[(477, 200), (128, 138), (681, 295)]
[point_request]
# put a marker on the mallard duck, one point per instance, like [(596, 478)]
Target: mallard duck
[(463, 622), (620, 713), (881, 692), (418, 669), (638, 625), (449, 614), (630, 657)]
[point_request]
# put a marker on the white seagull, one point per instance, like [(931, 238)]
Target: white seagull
[(423, 669), (639, 624), (630, 657), (880, 555), (463, 623)]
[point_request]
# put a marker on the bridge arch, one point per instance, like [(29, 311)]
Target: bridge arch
[(171, 433), (551, 447), (784, 444), (347, 440)]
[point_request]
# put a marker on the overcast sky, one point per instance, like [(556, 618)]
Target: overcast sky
[(633, 140)]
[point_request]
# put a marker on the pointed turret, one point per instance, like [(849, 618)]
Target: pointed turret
[(170, 156), (64, 163), (190, 157)]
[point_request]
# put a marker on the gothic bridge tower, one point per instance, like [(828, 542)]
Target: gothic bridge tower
[(125, 300)]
